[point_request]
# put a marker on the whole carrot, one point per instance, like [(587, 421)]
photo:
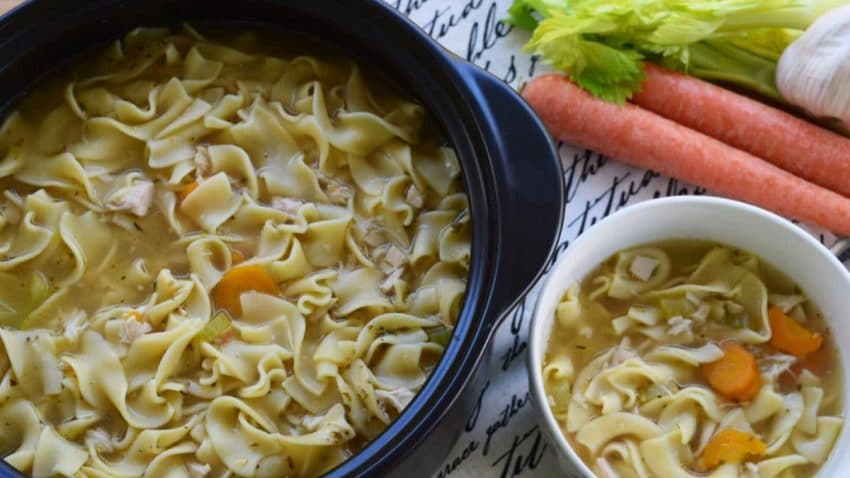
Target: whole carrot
[(793, 144), (644, 139)]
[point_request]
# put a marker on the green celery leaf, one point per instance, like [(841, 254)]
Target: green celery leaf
[(610, 74), (519, 15), (520, 12), (600, 43), (607, 72)]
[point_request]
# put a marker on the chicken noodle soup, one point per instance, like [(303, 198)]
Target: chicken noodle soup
[(219, 262), (689, 358)]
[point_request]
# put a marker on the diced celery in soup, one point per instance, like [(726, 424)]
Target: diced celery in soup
[(219, 260), (690, 358)]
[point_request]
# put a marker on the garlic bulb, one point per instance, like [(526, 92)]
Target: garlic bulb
[(814, 71)]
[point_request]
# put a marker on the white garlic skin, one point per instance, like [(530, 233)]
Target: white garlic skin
[(814, 71)]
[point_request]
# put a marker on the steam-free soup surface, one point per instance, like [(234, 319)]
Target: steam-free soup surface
[(691, 358), (219, 258)]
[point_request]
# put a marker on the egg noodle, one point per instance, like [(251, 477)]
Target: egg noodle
[(626, 364), (144, 188)]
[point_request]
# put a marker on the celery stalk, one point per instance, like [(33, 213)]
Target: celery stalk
[(600, 44)]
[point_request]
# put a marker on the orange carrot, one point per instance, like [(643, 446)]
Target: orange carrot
[(793, 144), (735, 375), (241, 279), (186, 190), (730, 446), (791, 337), (645, 139)]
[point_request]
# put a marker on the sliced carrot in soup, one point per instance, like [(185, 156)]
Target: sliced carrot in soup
[(730, 446), (238, 280), (735, 375), (791, 337)]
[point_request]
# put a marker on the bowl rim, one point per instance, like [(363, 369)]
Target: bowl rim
[(552, 290)]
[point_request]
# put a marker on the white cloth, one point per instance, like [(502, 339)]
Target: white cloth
[(505, 441)]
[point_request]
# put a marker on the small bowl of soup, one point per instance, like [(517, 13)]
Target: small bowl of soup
[(694, 336)]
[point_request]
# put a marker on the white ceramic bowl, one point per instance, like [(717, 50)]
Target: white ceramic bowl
[(779, 242)]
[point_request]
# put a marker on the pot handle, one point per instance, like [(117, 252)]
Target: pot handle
[(530, 182)]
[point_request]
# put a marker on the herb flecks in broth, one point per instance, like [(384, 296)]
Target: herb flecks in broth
[(215, 260), (688, 358)]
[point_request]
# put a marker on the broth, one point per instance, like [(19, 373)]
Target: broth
[(220, 253), (615, 324)]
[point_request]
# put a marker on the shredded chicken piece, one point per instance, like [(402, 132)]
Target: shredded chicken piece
[(99, 439), (586, 331), (131, 329), (393, 266), (198, 470), (136, 198), (398, 398), (773, 365), (391, 280), (642, 267), (310, 422), (74, 325), (339, 193), (287, 205), (395, 257), (680, 325), (622, 353), (414, 197), (371, 231), (701, 313), (374, 237), (203, 165), (751, 470)]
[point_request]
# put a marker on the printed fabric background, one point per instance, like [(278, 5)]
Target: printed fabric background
[(502, 439)]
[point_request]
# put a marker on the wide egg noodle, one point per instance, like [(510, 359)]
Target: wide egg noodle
[(638, 409), (234, 161), (21, 432), (662, 459), (36, 227), (132, 188), (212, 203)]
